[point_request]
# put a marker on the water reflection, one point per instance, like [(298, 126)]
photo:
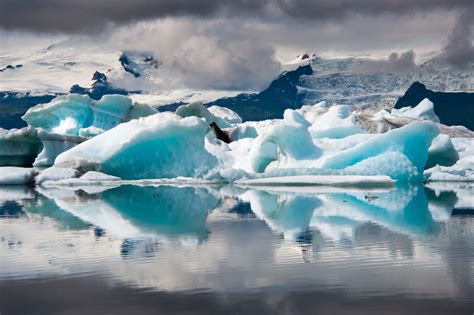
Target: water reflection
[(233, 239)]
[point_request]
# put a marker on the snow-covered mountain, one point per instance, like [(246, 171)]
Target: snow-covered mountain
[(55, 69), (338, 81)]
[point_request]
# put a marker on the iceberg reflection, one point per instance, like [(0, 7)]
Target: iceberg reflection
[(131, 212), (229, 238), (139, 212)]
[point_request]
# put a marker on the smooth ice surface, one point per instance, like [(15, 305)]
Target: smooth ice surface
[(160, 146)]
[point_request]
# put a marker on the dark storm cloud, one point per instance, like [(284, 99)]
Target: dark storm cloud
[(460, 51), (83, 15), (394, 63), (333, 9), (86, 15)]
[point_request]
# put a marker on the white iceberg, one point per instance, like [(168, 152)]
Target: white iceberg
[(424, 111), (223, 117)]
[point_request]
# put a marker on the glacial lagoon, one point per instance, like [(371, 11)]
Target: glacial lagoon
[(235, 249)]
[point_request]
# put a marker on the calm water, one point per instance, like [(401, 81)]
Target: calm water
[(233, 250)]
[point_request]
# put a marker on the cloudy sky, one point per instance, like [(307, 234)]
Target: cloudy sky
[(244, 41)]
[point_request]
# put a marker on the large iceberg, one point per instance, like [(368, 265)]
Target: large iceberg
[(163, 145)]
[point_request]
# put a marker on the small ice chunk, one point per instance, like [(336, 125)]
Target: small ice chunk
[(98, 177), (55, 174), (225, 114), (424, 111), (16, 175), (223, 117), (442, 152)]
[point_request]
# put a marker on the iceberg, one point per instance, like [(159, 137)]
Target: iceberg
[(411, 141), (56, 174), (163, 145), (442, 152), (424, 111), (286, 144), (63, 115), (53, 145), (462, 171), (79, 115), (18, 147)]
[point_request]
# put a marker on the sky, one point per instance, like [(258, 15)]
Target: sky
[(241, 43)]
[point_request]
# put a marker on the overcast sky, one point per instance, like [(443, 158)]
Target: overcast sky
[(244, 40)]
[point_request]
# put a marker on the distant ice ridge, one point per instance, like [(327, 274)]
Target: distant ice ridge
[(120, 141)]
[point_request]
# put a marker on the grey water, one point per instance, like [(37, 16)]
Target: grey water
[(237, 250)]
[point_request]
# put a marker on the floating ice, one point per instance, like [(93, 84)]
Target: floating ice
[(225, 114), (76, 114), (16, 175), (442, 152), (462, 171), (412, 141), (424, 111), (18, 147), (53, 145), (312, 145), (56, 174), (160, 146)]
